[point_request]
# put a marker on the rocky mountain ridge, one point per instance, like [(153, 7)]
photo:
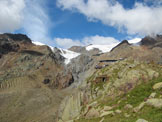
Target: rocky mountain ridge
[(34, 80)]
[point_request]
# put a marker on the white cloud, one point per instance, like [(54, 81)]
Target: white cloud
[(11, 15), (36, 21), (95, 40), (141, 19), (99, 40), (29, 15), (67, 43)]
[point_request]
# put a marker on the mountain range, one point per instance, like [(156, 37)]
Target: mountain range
[(94, 83)]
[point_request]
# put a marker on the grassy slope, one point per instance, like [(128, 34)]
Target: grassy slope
[(133, 97)]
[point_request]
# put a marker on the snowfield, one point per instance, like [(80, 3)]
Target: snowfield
[(108, 48), (103, 48), (67, 54)]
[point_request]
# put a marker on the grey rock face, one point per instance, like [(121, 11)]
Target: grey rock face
[(79, 66), (58, 55), (15, 37), (151, 42), (9, 42), (78, 49)]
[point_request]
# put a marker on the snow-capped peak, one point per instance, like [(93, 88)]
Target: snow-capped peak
[(109, 47), (67, 54), (135, 41), (103, 48)]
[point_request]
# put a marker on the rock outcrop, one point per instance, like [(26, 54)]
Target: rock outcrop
[(151, 42), (30, 76), (11, 42)]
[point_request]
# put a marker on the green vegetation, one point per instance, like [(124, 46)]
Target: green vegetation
[(139, 93)]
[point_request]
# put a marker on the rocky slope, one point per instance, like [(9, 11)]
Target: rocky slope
[(29, 76), (36, 85), (128, 90)]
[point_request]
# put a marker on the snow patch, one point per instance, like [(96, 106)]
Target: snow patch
[(108, 48), (103, 48), (135, 41), (68, 55), (38, 43)]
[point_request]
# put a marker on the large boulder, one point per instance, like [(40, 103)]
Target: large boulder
[(157, 86), (70, 108), (107, 113), (92, 113), (157, 103), (141, 120)]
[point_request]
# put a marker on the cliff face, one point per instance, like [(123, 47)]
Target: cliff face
[(10, 42), (28, 59), (155, 41)]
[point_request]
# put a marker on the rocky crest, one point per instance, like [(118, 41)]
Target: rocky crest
[(10, 42), (155, 41), (77, 49), (124, 44)]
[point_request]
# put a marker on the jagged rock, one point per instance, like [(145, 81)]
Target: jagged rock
[(118, 111), (64, 80), (154, 41), (157, 103), (15, 37), (92, 113), (141, 120), (152, 95), (157, 86), (93, 104), (107, 108), (70, 108), (10, 42), (58, 55), (148, 41), (152, 74), (122, 45), (79, 66), (126, 115), (128, 106), (138, 108), (78, 49), (107, 113), (102, 120)]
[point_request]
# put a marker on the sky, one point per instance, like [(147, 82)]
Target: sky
[(65, 23)]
